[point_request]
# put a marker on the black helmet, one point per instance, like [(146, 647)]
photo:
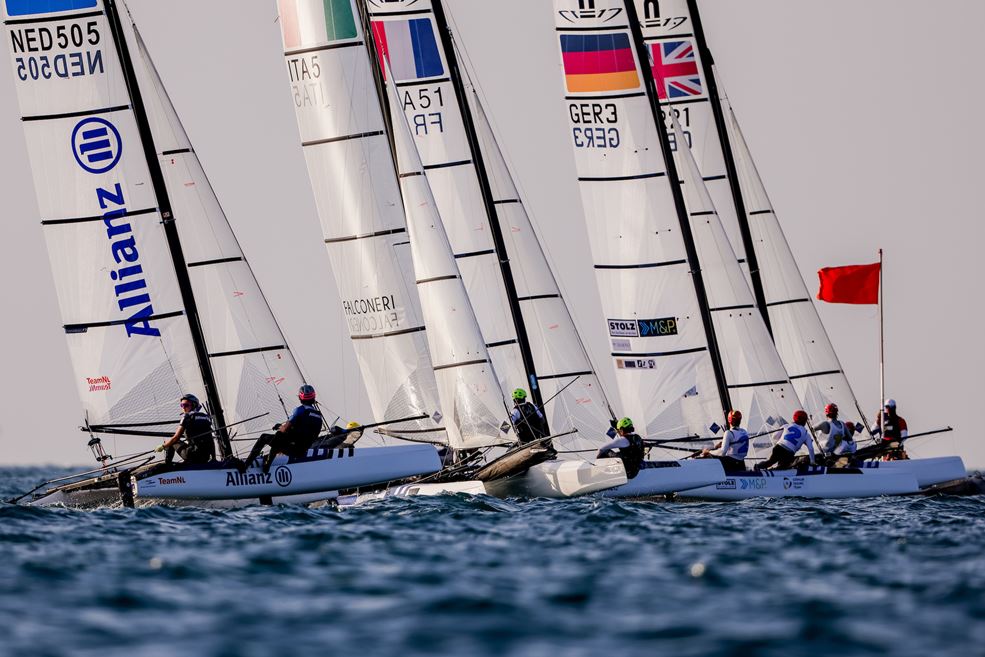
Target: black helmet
[(306, 393), (191, 399)]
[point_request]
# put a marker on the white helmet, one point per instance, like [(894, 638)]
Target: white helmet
[(890, 403)]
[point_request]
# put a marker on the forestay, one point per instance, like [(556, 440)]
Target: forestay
[(353, 176), (660, 348), (467, 382), (255, 371), (406, 33), (125, 319), (800, 338)]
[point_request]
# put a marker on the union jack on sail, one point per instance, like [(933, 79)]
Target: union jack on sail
[(675, 69)]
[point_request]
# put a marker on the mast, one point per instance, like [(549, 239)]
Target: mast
[(170, 229), (523, 341), (682, 214), (707, 65)]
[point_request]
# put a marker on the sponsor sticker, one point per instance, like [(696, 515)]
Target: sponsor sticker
[(623, 328), (622, 345)]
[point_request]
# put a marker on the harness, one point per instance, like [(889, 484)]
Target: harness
[(307, 423), (794, 437), (529, 427), (632, 456)]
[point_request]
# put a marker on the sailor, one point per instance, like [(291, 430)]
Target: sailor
[(294, 437), (838, 436), (889, 424), (795, 435), (630, 447), (192, 441), (527, 419), (733, 447)]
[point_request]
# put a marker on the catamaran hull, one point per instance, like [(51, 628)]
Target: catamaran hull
[(662, 477), (561, 479), (928, 472), (810, 484), (328, 471)]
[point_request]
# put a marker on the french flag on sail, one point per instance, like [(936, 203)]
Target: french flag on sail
[(410, 47), (24, 7)]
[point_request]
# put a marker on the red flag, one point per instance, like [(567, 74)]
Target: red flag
[(851, 284)]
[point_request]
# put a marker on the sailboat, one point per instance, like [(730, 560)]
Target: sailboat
[(661, 251), (689, 91), (156, 294)]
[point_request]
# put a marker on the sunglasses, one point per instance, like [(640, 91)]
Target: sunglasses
[(185, 404)]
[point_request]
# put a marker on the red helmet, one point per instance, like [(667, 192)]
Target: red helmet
[(306, 393), (734, 417), (831, 409), (799, 417)]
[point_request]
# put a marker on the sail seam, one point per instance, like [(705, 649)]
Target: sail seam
[(703, 213), (387, 334), (462, 364), (449, 277), (445, 165), (636, 94), (660, 354), (416, 83), (379, 233), (506, 200), (412, 12), (177, 151), (804, 376), (607, 28), (412, 173), (647, 265), (69, 115), (64, 17), (330, 140), (743, 306), (98, 217), (684, 102), (641, 176), (501, 343), (330, 46), (254, 350), (70, 328), (761, 383), (757, 212), (534, 297), (217, 261)]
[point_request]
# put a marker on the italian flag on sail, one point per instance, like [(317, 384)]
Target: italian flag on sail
[(313, 22)]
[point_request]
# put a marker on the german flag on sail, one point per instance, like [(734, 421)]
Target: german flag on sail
[(308, 23), (598, 62)]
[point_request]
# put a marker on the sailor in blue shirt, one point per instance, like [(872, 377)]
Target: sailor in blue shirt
[(293, 437), (192, 441)]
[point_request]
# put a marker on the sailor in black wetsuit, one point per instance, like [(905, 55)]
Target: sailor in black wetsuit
[(293, 437), (527, 418), (193, 439), (630, 447)]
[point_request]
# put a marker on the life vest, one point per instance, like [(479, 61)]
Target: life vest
[(198, 428), (529, 423), (892, 426), (738, 446), (306, 425), (794, 437), (837, 430), (632, 456)]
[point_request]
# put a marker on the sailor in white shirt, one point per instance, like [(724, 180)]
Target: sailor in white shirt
[(734, 446), (838, 436), (795, 436)]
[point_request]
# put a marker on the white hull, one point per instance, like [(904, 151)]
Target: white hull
[(817, 483), (662, 477), (327, 471), (560, 479), (414, 490), (928, 472), (105, 497)]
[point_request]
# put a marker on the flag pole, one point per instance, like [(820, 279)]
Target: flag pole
[(882, 340)]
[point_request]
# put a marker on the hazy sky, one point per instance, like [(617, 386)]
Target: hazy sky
[(864, 118)]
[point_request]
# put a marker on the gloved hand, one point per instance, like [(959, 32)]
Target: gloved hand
[(159, 448)]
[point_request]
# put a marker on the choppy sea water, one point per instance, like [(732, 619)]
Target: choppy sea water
[(478, 576)]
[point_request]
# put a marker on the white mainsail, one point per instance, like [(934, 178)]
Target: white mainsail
[(156, 296), (754, 374), (350, 165), (407, 35), (800, 338), (467, 382), (660, 336)]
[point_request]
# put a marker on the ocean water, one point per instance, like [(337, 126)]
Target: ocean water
[(477, 576)]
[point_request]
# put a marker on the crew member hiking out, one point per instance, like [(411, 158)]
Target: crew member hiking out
[(294, 436), (893, 429), (527, 418), (795, 435), (733, 447), (630, 447), (192, 441), (838, 443)]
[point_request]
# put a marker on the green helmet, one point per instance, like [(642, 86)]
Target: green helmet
[(519, 394), (624, 423)]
